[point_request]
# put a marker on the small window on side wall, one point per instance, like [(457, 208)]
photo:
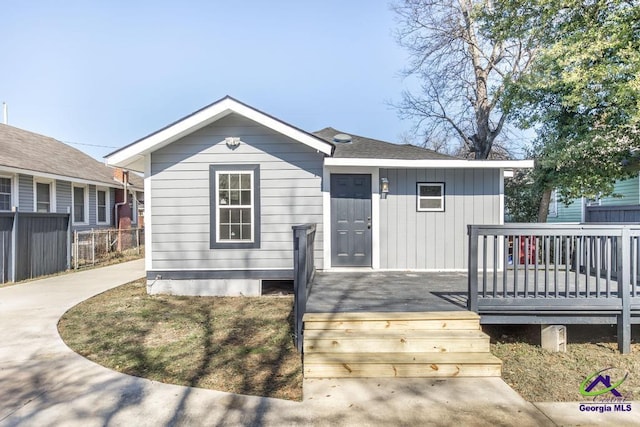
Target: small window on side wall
[(235, 206), (430, 196)]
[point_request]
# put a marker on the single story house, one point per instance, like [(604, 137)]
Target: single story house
[(225, 184), (42, 174)]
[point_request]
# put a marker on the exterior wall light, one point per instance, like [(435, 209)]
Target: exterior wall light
[(232, 142), (384, 186)]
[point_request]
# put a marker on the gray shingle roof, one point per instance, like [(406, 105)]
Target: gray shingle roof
[(38, 153), (361, 147)]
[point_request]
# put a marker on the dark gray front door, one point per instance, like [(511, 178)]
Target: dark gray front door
[(351, 220)]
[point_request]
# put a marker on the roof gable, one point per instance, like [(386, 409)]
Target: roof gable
[(132, 156)]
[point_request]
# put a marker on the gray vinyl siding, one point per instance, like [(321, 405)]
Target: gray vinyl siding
[(64, 204), (435, 240), (63, 196), (92, 204), (25, 193), (290, 194)]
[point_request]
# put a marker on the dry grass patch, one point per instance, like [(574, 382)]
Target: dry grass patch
[(543, 376), (235, 344)]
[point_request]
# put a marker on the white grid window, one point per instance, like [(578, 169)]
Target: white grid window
[(430, 197), (234, 190), (102, 202), (80, 202), (43, 197)]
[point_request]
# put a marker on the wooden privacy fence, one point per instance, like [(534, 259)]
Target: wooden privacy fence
[(303, 272), (626, 214), (33, 244), (556, 273)]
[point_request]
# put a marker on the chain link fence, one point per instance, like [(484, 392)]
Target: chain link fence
[(93, 247)]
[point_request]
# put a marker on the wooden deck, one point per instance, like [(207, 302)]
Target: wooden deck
[(374, 291)]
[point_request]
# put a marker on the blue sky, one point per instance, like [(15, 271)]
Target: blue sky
[(107, 73)]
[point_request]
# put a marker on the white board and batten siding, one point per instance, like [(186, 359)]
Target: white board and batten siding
[(412, 240), (290, 194)]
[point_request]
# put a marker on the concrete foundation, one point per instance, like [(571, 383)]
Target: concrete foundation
[(554, 337), (206, 287)]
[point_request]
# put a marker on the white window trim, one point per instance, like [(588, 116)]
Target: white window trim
[(86, 204), (219, 207), (419, 197), (107, 206), (52, 193), (14, 190), (594, 202)]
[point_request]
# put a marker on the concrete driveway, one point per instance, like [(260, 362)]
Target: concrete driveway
[(44, 383)]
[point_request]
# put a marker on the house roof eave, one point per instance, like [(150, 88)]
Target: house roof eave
[(429, 163)]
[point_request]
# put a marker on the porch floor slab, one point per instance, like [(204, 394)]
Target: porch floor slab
[(382, 291)]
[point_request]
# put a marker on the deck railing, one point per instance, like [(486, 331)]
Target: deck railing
[(550, 273), (303, 272)]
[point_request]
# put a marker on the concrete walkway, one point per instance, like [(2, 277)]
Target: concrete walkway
[(44, 383)]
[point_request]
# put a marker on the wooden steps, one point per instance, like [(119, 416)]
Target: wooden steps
[(410, 345)]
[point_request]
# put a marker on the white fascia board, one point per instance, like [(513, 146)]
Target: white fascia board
[(58, 177), (132, 157), (432, 164), (283, 128)]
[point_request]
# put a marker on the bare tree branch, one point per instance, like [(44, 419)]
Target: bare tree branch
[(463, 72)]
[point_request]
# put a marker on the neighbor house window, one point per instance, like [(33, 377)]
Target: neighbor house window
[(594, 201), (5, 194), (80, 205), (235, 206), (102, 206), (43, 196), (430, 196)]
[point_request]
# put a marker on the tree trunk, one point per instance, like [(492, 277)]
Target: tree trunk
[(543, 210)]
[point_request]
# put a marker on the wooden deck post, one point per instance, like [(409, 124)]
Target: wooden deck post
[(624, 282), (472, 303), (303, 270)]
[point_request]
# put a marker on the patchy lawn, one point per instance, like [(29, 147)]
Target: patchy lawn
[(235, 344), (543, 376), (245, 345)]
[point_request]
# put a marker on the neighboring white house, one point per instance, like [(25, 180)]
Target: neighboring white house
[(225, 185)]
